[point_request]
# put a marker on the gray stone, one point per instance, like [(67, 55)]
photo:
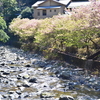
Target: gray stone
[(23, 75), (11, 92), (24, 95), (65, 74), (6, 73), (85, 98), (66, 97), (33, 80), (18, 92), (13, 96), (27, 65), (1, 97), (46, 95)]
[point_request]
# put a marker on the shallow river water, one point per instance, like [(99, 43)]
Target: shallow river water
[(27, 76)]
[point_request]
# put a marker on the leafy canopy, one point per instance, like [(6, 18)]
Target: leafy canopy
[(8, 9), (3, 36), (27, 13)]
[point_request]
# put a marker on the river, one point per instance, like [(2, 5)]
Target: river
[(27, 76)]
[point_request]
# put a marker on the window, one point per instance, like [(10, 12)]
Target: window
[(44, 12), (55, 10), (50, 10)]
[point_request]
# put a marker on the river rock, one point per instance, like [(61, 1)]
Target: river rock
[(46, 95), (33, 80), (14, 96), (1, 97), (23, 75), (2, 64), (24, 95), (96, 87), (65, 74), (28, 65), (85, 98), (22, 88), (66, 97), (26, 76), (39, 63), (26, 83), (6, 73), (18, 92)]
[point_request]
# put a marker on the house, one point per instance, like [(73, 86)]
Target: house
[(49, 8)]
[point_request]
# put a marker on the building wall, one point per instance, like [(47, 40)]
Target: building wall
[(49, 13), (35, 12)]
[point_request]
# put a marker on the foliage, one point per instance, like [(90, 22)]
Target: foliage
[(8, 9), (24, 27), (3, 36), (27, 13), (78, 30), (26, 2)]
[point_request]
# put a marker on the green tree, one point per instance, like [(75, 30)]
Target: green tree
[(8, 9), (26, 2), (26, 13), (3, 36)]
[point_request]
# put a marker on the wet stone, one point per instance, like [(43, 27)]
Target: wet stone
[(66, 97), (24, 95), (22, 88), (2, 64), (27, 65), (23, 75), (26, 85), (11, 92), (65, 74), (6, 73), (46, 95), (85, 98), (26, 76), (13, 96), (1, 97), (33, 80), (18, 92)]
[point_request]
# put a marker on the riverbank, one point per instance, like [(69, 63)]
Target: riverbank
[(27, 76)]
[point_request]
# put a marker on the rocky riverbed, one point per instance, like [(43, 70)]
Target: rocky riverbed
[(27, 76)]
